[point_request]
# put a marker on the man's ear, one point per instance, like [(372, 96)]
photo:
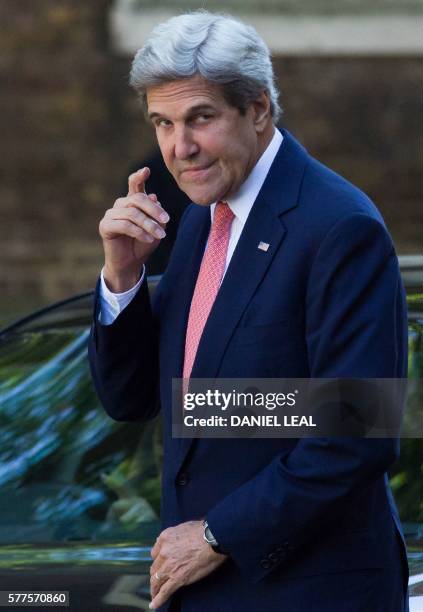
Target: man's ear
[(261, 112)]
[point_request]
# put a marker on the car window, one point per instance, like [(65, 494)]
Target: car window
[(68, 471), (406, 475)]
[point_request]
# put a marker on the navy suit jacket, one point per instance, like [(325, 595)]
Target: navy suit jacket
[(325, 300)]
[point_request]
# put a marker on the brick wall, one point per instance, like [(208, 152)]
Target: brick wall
[(71, 128), (361, 116)]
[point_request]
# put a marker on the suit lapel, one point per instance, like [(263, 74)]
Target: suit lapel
[(249, 264), (246, 269)]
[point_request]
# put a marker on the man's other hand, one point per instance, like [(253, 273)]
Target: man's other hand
[(181, 556), (131, 231)]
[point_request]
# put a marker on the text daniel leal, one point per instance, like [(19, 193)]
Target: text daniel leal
[(264, 420)]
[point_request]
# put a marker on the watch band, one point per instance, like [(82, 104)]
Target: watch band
[(211, 540)]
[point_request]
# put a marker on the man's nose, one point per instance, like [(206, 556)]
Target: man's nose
[(185, 145)]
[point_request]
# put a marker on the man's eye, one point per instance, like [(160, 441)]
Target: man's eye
[(203, 118), (163, 123)]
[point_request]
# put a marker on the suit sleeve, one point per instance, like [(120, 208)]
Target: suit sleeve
[(356, 327), (124, 356), (124, 360)]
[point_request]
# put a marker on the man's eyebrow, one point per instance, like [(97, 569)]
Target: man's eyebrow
[(152, 116), (200, 107), (191, 111)]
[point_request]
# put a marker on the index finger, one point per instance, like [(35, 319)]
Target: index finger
[(148, 206), (136, 181)]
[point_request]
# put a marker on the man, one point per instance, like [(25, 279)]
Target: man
[(281, 268)]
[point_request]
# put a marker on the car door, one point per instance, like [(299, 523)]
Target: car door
[(79, 493)]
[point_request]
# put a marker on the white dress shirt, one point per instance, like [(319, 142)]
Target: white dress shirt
[(111, 304)]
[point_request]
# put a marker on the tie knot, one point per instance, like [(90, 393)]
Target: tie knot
[(222, 214)]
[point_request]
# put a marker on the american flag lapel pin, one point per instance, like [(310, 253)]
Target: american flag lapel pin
[(263, 246)]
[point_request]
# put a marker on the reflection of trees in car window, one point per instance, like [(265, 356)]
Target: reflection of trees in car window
[(72, 470), (407, 481), (136, 482), (68, 471)]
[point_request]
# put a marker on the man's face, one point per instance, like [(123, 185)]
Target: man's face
[(207, 145)]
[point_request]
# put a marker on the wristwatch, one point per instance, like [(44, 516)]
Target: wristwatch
[(211, 540)]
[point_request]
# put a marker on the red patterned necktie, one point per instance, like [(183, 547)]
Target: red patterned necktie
[(208, 281)]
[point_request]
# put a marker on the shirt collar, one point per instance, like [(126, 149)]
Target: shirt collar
[(242, 202)]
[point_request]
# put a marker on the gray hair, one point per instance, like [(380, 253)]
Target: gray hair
[(220, 48)]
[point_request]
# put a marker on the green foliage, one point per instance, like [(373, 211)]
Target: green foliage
[(71, 469), (407, 474), (407, 481), (137, 481)]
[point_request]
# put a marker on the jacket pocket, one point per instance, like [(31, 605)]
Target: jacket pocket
[(271, 334)]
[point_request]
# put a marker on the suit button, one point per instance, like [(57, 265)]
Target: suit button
[(182, 479), (265, 563), (273, 557)]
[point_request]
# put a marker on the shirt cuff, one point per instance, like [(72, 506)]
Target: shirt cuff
[(112, 304)]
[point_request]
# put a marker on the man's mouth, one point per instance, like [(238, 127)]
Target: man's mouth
[(196, 171)]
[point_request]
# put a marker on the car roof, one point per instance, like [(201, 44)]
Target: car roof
[(76, 311)]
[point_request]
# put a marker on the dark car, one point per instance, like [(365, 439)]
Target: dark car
[(80, 493)]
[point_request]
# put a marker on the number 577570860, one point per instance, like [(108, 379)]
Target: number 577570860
[(34, 598)]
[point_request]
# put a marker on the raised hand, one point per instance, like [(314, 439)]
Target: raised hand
[(131, 231)]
